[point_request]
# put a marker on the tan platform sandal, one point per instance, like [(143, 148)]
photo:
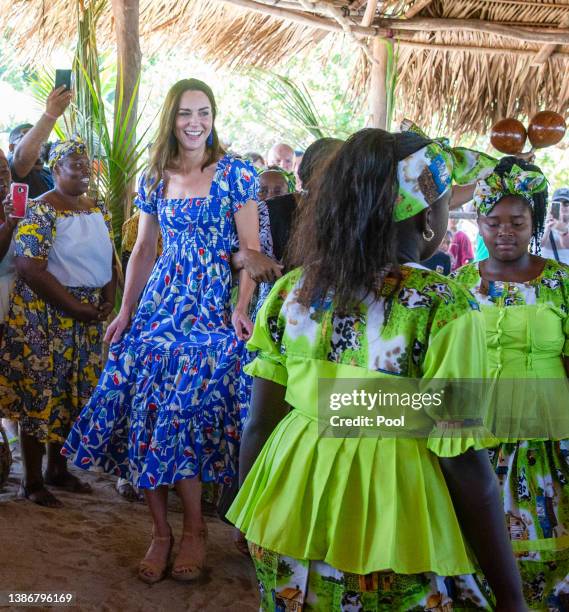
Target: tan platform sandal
[(150, 571), (189, 567)]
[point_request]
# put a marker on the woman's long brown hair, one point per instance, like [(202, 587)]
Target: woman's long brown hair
[(165, 147)]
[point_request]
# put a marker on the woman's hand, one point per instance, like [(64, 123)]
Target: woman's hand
[(116, 329), (261, 269), (86, 313), (105, 310), (10, 221), (242, 324)]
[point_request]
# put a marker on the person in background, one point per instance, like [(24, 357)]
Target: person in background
[(281, 155), (370, 523), (256, 159), (51, 352), (26, 142), (275, 181), (8, 225), (266, 266), (460, 250), (528, 354), (555, 239), (298, 155), (441, 261)]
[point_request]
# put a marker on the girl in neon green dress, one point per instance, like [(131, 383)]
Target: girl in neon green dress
[(370, 523), (525, 302)]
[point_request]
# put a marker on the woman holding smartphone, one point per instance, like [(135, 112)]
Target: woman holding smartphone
[(50, 355)]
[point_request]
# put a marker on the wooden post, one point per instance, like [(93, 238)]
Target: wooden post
[(378, 83), (129, 57)]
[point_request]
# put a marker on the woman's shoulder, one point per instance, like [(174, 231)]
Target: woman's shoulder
[(555, 268), (467, 276), (435, 288), (41, 207), (236, 165)]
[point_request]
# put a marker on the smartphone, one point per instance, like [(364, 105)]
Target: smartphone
[(19, 195), (63, 77), (555, 210)]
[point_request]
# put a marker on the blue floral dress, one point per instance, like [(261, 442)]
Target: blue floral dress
[(168, 404)]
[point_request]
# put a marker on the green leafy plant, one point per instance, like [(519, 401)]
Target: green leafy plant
[(295, 104)]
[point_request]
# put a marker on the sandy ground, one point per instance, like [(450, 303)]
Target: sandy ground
[(92, 547)]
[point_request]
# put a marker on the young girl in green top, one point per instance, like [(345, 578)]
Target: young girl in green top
[(525, 302), (370, 523)]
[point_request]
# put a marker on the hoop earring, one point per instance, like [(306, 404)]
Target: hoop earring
[(209, 141), (428, 234)]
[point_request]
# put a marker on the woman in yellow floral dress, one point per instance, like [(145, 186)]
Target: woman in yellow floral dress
[(51, 352)]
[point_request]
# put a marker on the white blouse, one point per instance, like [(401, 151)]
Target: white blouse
[(81, 254)]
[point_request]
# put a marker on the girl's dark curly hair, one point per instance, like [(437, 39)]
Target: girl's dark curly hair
[(539, 208), (344, 234)]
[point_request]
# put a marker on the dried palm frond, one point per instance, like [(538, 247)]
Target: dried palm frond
[(465, 80)]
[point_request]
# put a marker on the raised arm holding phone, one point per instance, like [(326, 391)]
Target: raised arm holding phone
[(26, 142)]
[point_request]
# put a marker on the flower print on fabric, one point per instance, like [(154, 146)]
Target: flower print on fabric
[(168, 405)]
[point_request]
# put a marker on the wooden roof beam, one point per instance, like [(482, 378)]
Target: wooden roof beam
[(385, 27), (413, 44), (417, 8), (527, 34), (547, 50), (369, 14)]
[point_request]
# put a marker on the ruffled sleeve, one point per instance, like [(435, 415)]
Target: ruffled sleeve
[(145, 201), (36, 232), (243, 184), (456, 356), (267, 338)]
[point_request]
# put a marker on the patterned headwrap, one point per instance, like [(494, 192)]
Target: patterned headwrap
[(288, 176), (518, 182), (64, 148), (428, 173)]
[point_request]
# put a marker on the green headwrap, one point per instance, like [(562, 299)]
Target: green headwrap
[(288, 176), (518, 182), (428, 173)]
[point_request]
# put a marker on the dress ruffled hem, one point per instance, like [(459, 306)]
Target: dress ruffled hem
[(450, 441), (359, 504), (160, 415)]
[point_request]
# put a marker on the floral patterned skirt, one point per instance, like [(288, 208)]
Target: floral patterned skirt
[(300, 585), (534, 478), (161, 415), (49, 363)]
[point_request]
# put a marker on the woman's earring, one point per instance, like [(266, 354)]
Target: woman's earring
[(209, 140), (428, 234)]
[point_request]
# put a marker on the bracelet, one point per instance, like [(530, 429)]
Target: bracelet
[(53, 117)]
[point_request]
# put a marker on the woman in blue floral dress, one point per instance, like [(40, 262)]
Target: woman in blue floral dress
[(167, 407)]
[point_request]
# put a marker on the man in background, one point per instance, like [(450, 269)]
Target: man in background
[(281, 155), (26, 142)]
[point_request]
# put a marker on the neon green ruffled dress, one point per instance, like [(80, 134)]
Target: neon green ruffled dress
[(362, 504), (527, 334)]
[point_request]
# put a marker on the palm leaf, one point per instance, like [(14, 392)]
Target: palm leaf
[(295, 102)]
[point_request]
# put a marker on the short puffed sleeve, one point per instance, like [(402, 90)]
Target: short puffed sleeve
[(146, 198), (243, 183), (36, 232)]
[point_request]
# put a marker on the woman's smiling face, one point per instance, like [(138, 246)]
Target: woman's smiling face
[(194, 120)]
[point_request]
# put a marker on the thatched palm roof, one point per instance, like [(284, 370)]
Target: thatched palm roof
[(473, 61)]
